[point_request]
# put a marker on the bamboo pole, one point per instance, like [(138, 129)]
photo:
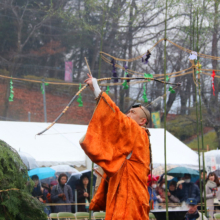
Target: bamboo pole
[(165, 97), (201, 122), (197, 124)]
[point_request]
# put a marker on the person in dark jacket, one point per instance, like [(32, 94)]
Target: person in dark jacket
[(62, 193), (172, 193), (37, 192), (188, 190), (83, 193)]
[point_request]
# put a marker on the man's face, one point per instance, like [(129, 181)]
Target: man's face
[(172, 188), (192, 209), (137, 115)]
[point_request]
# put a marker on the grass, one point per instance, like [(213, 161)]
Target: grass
[(210, 139)]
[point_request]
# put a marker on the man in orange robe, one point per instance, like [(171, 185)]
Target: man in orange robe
[(119, 143)]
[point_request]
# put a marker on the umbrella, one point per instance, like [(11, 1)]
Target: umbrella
[(217, 172), (180, 171), (65, 169), (158, 171), (74, 179), (42, 172), (28, 160)]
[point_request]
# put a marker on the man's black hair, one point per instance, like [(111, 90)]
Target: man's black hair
[(35, 177)]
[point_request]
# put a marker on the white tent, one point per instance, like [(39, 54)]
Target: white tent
[(60, 145)]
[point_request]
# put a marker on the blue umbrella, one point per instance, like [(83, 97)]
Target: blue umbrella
[(42, 172), (180, 171)]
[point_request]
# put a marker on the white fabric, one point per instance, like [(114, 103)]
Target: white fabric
[(60, 144), (97, 90)]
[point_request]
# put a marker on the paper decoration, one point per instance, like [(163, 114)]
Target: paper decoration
[(11, 95), (146, 57), (145, 94), (171, 90), (125, 83), (213, 85), (107, 90), (114, 70), (42, 87), (193, 55), (79, 100), (148, 75)]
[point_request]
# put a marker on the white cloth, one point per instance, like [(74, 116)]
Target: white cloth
[(97, 90)]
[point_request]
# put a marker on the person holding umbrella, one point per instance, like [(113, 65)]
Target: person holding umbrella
[(188, 190), (62, 193)]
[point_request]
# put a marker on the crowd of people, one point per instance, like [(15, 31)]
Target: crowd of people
[(179, 190), (58, 192), (184, 189)]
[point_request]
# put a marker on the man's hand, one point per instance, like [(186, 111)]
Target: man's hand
[(89, 82), (40, 199)]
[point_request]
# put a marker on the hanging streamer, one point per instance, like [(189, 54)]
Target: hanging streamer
[(42, 87), (213, 85), (146, 57), (11, 96), (107, 90), (114, 70), (145, 94), (148, 75), (79, 100), (171, 90)]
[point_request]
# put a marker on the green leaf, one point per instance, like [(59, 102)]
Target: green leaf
[(167, 78)]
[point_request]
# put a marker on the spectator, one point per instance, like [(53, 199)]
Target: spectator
[(160, 191), (37, 192), (62, 193), (83, 193), (198, 181), (172, 194), (188, 190), (211, 187), (49, 200), (193, 213), (152, 185)]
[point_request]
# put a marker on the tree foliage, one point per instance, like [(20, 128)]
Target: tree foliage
[(17, 204)]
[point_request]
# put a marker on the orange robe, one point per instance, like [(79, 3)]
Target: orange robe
[(110, 137)]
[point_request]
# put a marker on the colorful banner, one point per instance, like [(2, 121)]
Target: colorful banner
[(155, 116), (213, 164), (68, 71)]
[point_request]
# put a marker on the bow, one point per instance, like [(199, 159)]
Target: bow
[(99, 80)]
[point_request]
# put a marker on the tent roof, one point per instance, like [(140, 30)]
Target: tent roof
[(60, 145)]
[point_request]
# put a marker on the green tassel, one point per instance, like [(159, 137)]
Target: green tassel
[(79, 100), (148, 75), (107, 90), (11, 95), (145, 95), (42, 87), (125, 83), (171, 90)]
